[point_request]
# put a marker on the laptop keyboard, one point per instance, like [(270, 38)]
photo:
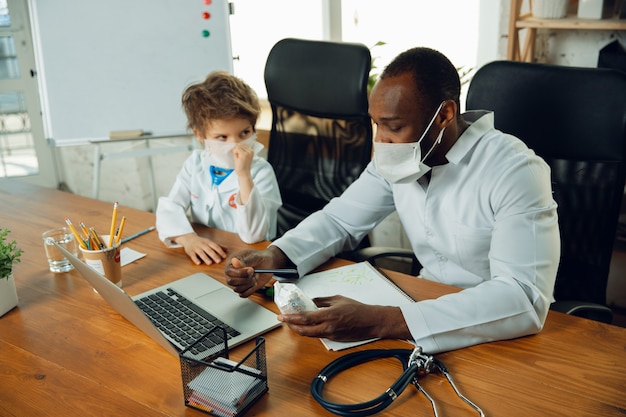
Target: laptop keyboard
[(183, 321)]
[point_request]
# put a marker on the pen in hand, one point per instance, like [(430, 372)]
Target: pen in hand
[(284, 273), (280, 275)]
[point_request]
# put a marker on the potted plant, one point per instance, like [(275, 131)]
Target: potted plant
[(464, 73), (373, 77), (9, 256)]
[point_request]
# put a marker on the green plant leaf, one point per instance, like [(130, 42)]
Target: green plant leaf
[(9, 254)]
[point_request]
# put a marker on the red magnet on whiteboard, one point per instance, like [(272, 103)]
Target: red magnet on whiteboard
[(206, 15), (206, 33), (207, 2)]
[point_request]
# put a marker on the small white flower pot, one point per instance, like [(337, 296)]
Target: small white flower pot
[(8, 294), (549, 9), (590, 9)]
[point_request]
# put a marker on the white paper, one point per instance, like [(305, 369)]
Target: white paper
[(128, 255), (361, 282)]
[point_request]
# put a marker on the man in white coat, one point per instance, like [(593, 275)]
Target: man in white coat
[(475, 202)]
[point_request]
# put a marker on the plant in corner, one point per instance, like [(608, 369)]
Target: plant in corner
[(9, 254), (465, 74), (373, 76)]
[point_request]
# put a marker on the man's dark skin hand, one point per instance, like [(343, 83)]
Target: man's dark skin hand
[(338, 318)]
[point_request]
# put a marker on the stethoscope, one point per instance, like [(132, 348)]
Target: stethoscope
[(415, 364)]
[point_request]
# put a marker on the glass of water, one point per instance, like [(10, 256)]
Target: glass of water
[(56, 260)]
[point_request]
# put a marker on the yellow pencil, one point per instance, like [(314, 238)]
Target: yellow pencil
[(113, 221), (119, 231), (75, 233), (96, 238), (88, 239)]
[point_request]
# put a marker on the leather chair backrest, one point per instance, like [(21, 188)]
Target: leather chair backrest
[(321, 135), (574, 118)]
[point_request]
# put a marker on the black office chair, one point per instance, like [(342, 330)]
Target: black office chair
[(321, 135), (574, 118)]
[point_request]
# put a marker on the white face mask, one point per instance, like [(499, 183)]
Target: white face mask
[(220, 154), (403, 162)]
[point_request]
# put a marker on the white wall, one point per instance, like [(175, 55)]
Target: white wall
[(125, 180)]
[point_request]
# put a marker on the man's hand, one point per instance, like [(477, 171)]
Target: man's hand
[(345, 320), (240, 269), (202, 250)]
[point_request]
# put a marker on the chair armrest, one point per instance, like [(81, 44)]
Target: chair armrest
[(587, 310), (372, 253), (375, 252), (593, 311)]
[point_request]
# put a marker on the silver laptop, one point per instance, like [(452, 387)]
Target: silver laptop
[(203, 295)]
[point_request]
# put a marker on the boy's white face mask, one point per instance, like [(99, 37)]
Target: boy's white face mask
[(403, 162), (220, 154)]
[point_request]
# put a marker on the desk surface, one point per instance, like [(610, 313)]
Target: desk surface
[(64, 351)]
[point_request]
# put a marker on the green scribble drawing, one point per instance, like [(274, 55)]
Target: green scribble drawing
[(356, 275)]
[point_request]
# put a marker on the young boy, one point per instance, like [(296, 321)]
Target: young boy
[(226, 185)]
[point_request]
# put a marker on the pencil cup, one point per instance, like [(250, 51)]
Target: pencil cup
[(57, 262), (106, 261)]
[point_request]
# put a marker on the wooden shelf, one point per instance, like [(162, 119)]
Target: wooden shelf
[(529, 23), (571, 22)]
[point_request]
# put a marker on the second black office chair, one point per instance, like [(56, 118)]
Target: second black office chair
[(321, 135), (574, 118)]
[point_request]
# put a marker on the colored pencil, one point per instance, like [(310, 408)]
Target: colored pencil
[(118, 235), (75, 233), (143, 232), (113, 221)]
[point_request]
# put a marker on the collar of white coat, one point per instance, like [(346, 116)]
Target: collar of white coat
[(480, 122)]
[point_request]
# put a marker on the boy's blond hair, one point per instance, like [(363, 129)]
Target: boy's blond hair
[(220, 96)]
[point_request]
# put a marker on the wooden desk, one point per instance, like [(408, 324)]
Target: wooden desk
[(64, 352)]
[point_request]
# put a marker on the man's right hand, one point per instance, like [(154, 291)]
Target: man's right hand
[(240, 269)]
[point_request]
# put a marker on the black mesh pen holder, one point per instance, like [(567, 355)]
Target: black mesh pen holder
[(219, 386)]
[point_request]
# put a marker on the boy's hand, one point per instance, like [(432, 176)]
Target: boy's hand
[(202, 250), (243, 163), (243, 158)]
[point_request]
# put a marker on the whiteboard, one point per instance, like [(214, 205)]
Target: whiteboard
[(123, 65)]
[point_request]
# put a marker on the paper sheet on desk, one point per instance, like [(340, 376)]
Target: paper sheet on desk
[(128, 255), (361, 282), (332, 345)]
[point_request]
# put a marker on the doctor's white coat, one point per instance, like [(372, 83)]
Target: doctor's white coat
[(194, 199), (486, 223)]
